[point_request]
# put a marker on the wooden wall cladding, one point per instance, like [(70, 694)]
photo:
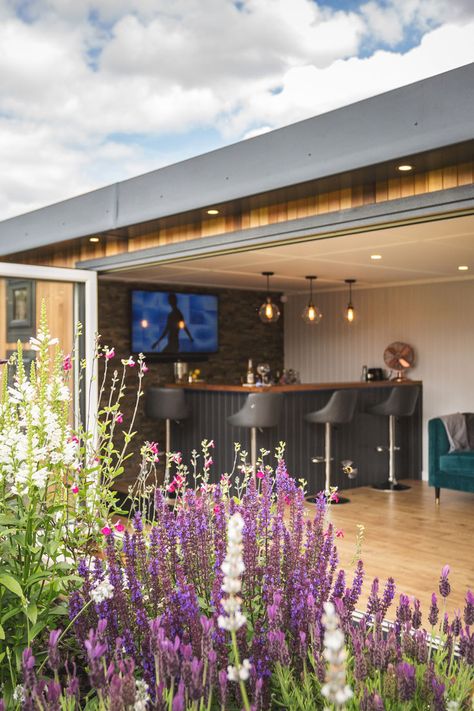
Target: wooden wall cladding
[(253, 212)]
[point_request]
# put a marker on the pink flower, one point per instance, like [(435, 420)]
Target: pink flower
[(334, 497), (109, 354), (260, 474), (75, 489), (211, 444), (67, 362), (145, 368), (217, 509), (119, 418), (119, 527), (339, 533), (207, 463), (171, 487), (106, 531), (177, 458), (128, 362), (74, 438), (153, 447)]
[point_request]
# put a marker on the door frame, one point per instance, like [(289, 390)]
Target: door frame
[(85, 309)]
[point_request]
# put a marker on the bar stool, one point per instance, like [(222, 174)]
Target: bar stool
[(166, 404), (260, 410), (401, 402), (338, 411)]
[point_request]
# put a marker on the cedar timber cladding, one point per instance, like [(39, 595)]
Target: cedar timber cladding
[(278, 206)]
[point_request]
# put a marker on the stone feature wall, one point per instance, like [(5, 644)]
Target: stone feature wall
[(241, 336)]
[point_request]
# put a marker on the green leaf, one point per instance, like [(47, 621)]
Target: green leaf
[(32, 612), (2, 632), (37, 628), (9, 582)]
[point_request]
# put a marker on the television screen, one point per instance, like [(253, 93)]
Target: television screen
[(173, 324)]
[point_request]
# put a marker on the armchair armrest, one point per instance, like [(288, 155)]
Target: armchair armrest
[(438, 445)]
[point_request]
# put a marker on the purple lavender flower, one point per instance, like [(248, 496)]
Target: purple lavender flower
[(406, 681), (416, 617), (444, 586), (456, 624), (388, 595), (434, 611), (404, 613), (54, 658), (469, 609)]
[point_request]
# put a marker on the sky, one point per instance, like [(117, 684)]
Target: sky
[(96, 92)]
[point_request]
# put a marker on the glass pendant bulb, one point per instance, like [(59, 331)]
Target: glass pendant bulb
[(350, 313), (268, 311), (311, 314)]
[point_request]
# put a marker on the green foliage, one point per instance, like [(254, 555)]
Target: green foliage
[(55, 492)]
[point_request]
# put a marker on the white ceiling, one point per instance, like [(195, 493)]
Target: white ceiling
[(429, 251)]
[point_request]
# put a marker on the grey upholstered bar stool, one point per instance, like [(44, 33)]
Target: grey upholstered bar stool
[(401, 402), (166, 404), (338, 411), (260, 410)]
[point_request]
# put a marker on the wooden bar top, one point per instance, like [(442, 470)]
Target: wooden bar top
[(304, 387)]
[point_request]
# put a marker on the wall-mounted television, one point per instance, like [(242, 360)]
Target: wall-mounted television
[(174, 325)]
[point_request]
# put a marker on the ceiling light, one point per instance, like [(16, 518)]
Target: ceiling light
[(311, 314), (405, 168), (463, 268), (94, 239), (375, 256), (213, 211), (268, 311), (350, 312)]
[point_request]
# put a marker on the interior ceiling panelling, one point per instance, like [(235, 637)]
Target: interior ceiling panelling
[(421, 252)]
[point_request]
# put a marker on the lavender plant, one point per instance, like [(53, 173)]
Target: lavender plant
[(55, 492)]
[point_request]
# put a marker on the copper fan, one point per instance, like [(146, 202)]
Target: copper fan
[(399, 356)]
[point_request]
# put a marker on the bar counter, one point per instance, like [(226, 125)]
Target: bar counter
[(211, 405)]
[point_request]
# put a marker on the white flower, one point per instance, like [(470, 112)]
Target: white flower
[(452, 706), (18, 694), (142, 695), (242, 673), (103, 591), (233, 567), (42, 338), (335, 689)]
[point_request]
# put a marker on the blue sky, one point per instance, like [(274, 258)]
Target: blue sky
[(93, 92)]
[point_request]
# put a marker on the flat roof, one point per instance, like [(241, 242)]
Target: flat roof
[(423, 116)]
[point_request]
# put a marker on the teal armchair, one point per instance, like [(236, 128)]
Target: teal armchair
[(448, 470)]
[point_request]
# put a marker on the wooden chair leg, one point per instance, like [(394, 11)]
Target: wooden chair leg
[(437, 488)]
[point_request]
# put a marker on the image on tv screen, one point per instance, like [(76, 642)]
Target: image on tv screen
[(172, 323)]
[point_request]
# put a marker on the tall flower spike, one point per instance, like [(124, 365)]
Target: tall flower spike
[(335, 690), (444, 586)]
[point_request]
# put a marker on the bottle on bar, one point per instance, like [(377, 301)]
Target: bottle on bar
[(250, 375)]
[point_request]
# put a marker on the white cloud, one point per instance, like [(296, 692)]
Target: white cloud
[(75, 75)]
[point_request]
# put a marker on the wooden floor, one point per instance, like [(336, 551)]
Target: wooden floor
[(410, 538)]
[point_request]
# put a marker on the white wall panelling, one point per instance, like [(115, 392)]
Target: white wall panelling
[(436, 319)]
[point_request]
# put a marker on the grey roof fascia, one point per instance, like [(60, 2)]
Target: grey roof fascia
[(426, 115), (85, 214), (435, 205)]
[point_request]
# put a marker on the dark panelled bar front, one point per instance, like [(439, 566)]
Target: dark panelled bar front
[(357, 441)]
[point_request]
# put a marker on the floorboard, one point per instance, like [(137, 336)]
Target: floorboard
[(410, 538)]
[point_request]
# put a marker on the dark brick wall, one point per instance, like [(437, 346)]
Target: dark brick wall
[(241, 336)]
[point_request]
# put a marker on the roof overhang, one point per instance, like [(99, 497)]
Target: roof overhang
[(438, 205), (423, 116)]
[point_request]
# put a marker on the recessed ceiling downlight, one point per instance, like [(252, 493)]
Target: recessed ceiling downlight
[(213, 211), (463, 268), (404, 167), (376, 257)]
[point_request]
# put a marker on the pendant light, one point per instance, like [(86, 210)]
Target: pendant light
[(311, 314), (350, 312), (268, 311)]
